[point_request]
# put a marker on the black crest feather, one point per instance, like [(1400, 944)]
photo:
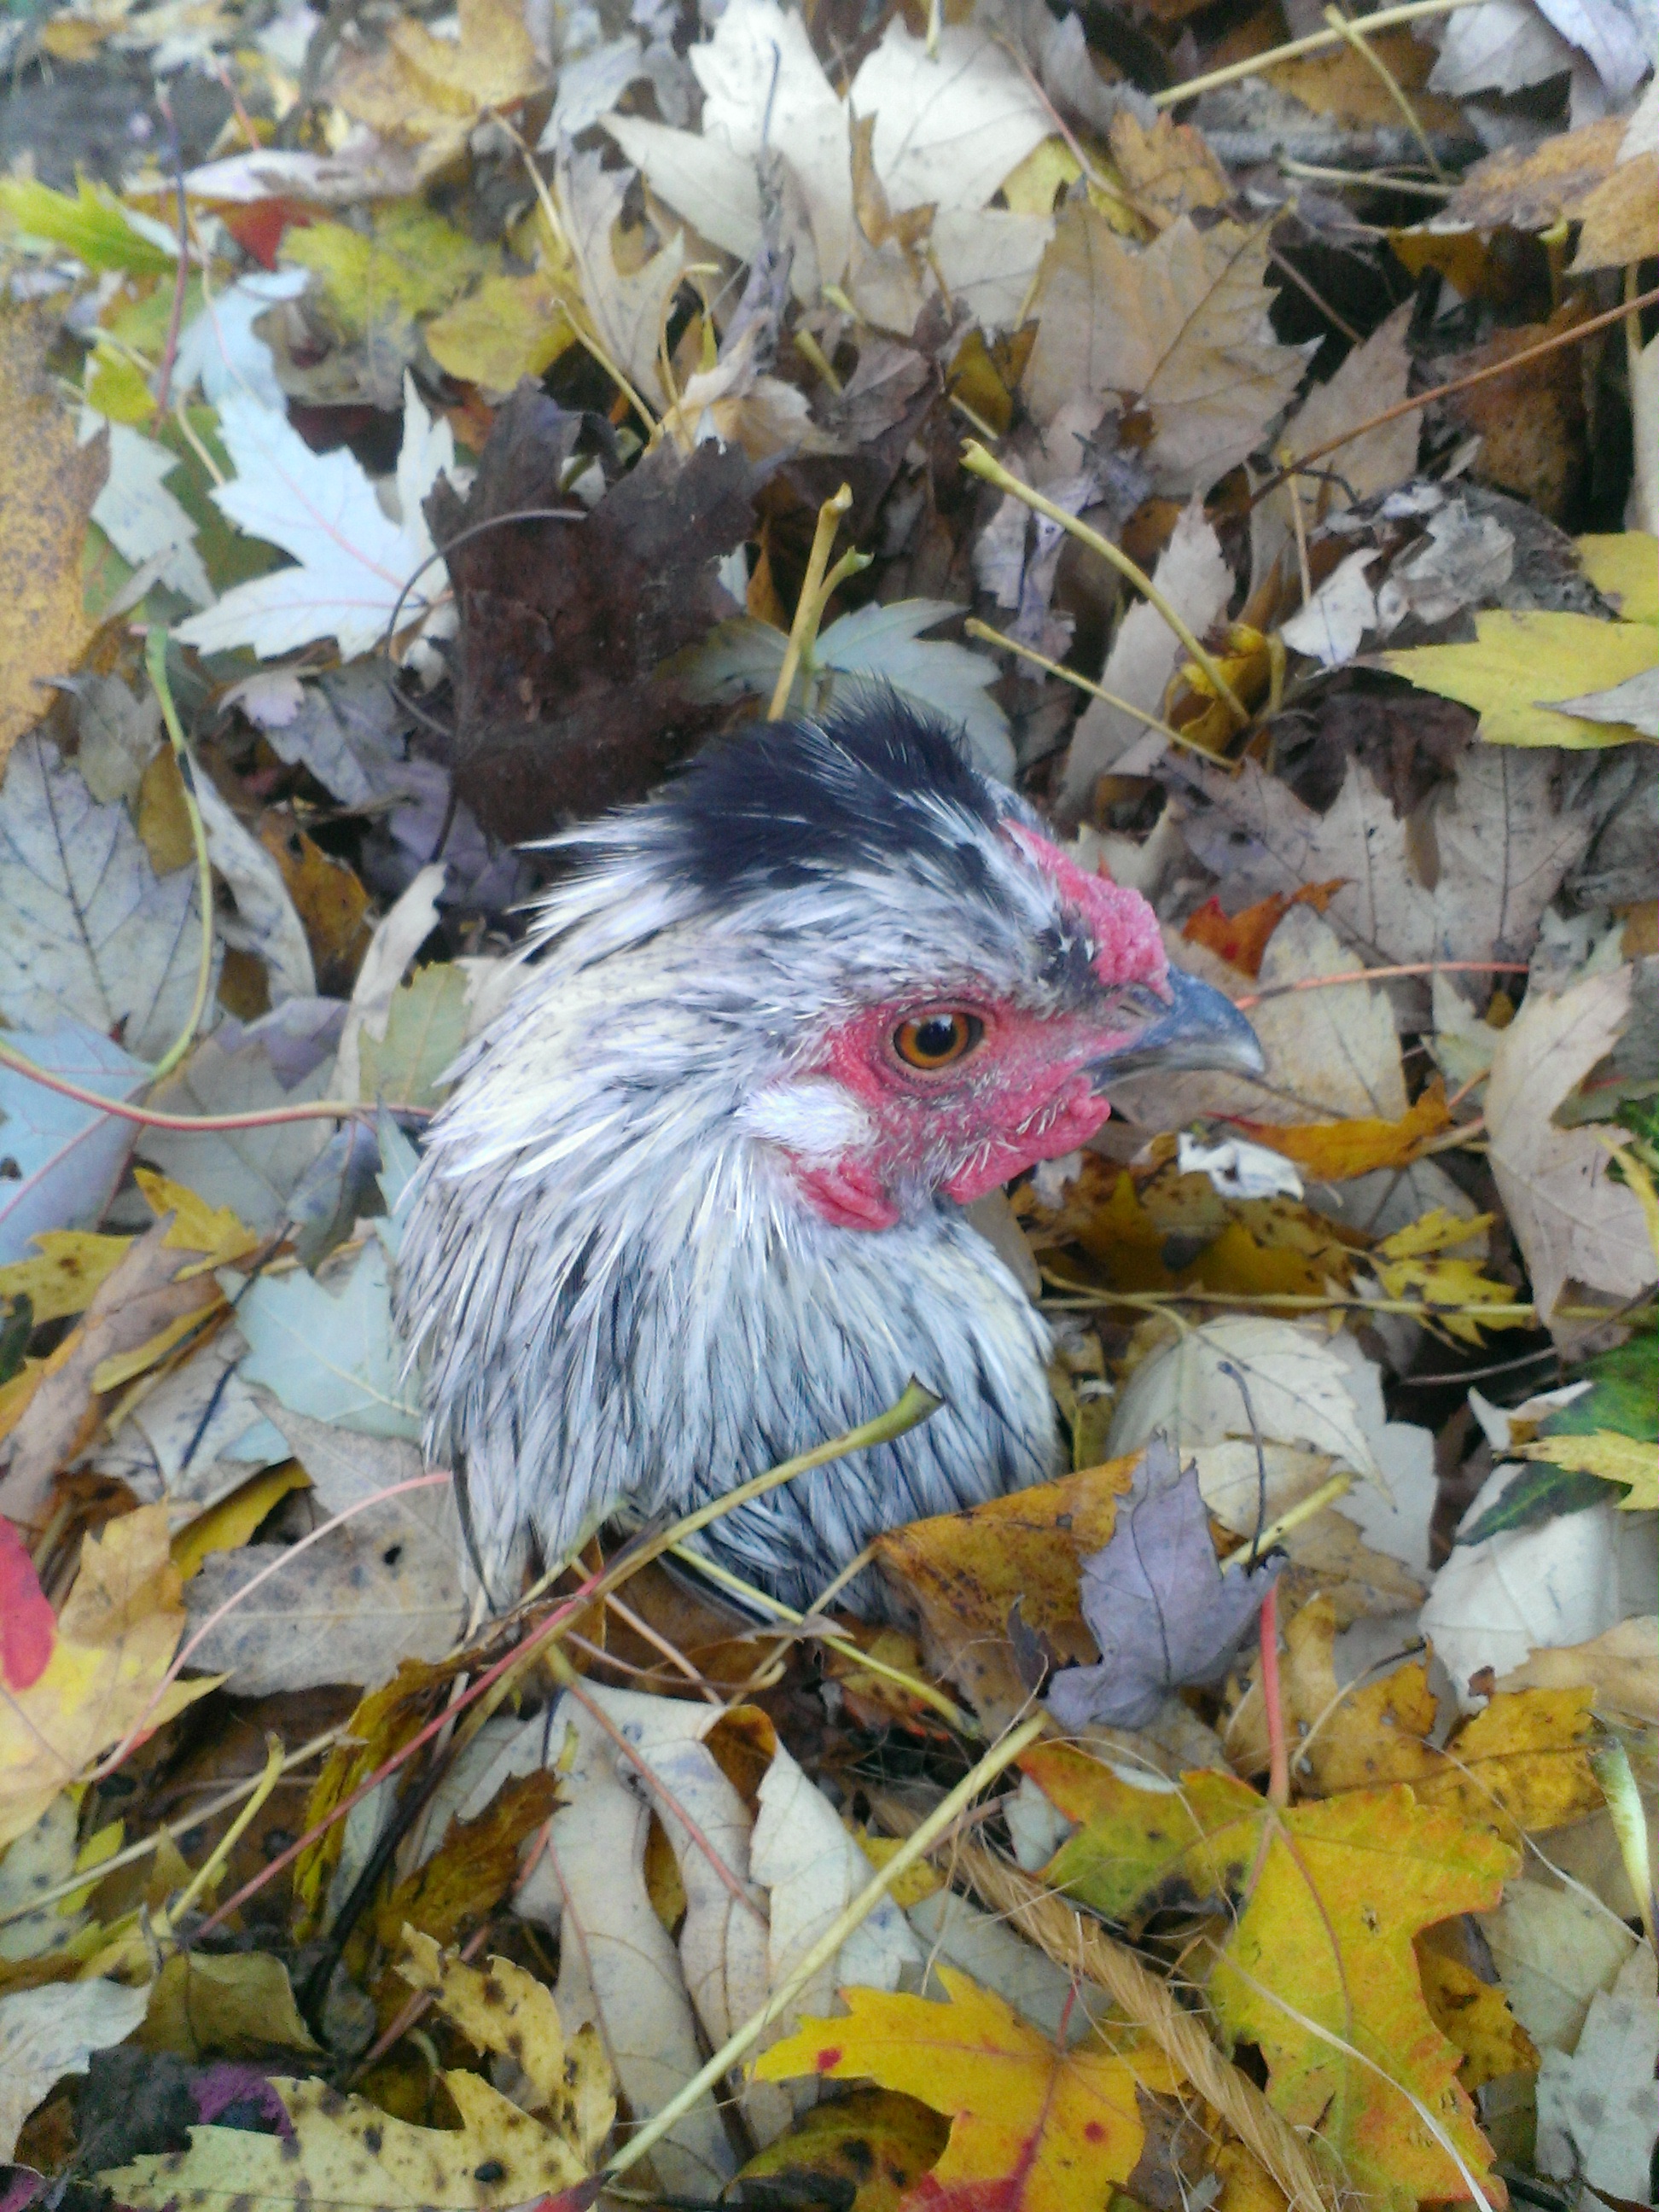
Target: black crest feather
[(783, 803)]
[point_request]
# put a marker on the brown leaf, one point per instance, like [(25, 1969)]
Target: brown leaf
[(133, 1303), (1170, 170), (959, 1575), (563, 623), (1533, 421), (1527, 187), (46, 494), (1181, 328)]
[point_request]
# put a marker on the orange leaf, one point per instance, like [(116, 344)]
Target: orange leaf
[(1334, 1151), (1242, 939), (1033, 2128)]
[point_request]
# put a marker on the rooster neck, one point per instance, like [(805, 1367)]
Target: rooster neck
[(652, 1313)]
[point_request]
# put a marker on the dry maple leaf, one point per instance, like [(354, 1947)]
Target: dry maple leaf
[(115, 1640), (1179, 328), (429, 93), (1033, 2128), (1317, 1967)]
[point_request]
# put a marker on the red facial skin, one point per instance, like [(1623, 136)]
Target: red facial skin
[(1021, 1094)]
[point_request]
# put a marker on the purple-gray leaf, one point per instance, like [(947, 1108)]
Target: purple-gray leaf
[(1157, 1602)]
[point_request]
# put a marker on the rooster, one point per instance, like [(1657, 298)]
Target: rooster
[(695, 1203)]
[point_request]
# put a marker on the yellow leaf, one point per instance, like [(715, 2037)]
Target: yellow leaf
[(234, 2007), (1048, 170), (1046, 2128), (509, 327), (1334, 1151), (916, 1882), (64, 1279), (1437, 1230), (117, 387), (46, 492), (1453, 1292), (90, 223), (1316, 1907), (1520, 662), (344, 2151), (501, 2008), (1475, 2015), (413, 264), (116, 1638), (232, 1520), (121, 1366), (962, 1571), (874, 2142), (197, 1226), (1625, 565), (427, 92), (1614, 1457)]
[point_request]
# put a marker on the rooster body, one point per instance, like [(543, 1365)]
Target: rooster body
[(695, 1203)]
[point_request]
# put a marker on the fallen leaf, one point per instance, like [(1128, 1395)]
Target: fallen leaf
[(62, 1275), (1178, 328), (1620, 1668), (66, 1158), (351, 563), (1241, 939), (238, 2006), (860, 657), (283, 1058), (1499, 674), (508, 328), (629, 310), (95, 936), (1554, 1949), (1571, 1219), (563, 624), (1475, 2015), (345, 2150), (46, 2033), (116, 1638), (1032, 2129), (141, 1306), (960, 1574), (265, 923), (1414, 1264), (1321, 1942), (1336, 1152), (1596, 2116), (1504, 847), (425, 1029), (1609, 1456), (50, 488), (143, 519), (874, 2142), (1196, 581), (330, 1349), (384, 1587), (1156, 1603), (501, 2008), (428, 93)]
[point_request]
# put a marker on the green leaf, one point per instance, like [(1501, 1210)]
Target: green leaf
[(91, 224), (1622, 1397), (415, 265), (425, 1032)]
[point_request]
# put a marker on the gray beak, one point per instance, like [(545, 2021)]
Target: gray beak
[(1200, 1028)]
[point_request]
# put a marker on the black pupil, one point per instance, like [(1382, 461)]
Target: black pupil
[(937, 1036)]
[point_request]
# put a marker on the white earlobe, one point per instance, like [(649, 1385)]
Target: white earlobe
[(813, 1119)]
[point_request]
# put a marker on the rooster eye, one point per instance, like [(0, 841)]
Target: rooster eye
[(935, 1040)]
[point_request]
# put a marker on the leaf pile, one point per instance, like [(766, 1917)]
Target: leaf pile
[(425, 430)]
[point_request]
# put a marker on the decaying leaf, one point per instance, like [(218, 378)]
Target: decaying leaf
[(47, 2033)]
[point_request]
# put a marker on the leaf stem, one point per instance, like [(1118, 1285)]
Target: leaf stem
[(1279, 1772), (979, 463), (155, 661), (974, 627), (814, 597), (1316, 42)]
